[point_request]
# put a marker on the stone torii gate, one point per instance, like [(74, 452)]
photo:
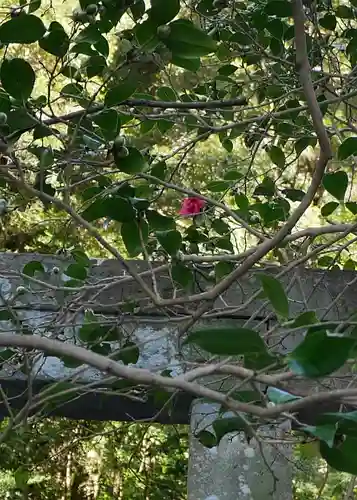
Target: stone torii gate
[(33, 290)]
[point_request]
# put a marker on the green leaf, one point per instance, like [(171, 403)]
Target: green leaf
[(279, 8), (182, 275), (320, 354), (95, 65), (138, 9), (233, 175), (55, 42), (329, 208), (133, 163), (80, 257), (31, 268), (169, 240), (189, 64), (22, 29), (186, 41), (342, 457), (109, 123), (218, 186), (116, 208), (222, 269), (352, 207), (328, 22), (304, 142), (277, 156), (206, 438), (304, 319), (34, 5), (76, 271), (17, 78), (325, 433), (128, 354), (120, 93), (220, 226), (162, 11), (274, 291), (159, 222), (166, 94), (336, 184), (344, 12), (226, 425), (228, 341), (5, 315), (347, 148), (278, 396), (134, 234), (294, 194)]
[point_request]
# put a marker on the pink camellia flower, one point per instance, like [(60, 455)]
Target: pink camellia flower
[(192, 206)]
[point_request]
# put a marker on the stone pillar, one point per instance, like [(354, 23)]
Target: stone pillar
[(236, 469)]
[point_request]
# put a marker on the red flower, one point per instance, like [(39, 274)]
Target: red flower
[(192, 206)]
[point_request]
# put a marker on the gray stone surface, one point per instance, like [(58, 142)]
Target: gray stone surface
[(236, 469)]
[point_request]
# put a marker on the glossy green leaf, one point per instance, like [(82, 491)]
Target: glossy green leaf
[(220, 226), (347, 148), (162, 11), (187, 41), (345, 12), (133, 163), (128, 354), (278, 396), (25, 28), (119, 93), (55, 42), (6, 315), (109, 123), (17, 78), (325, 433), (277, 156), (116, 208), (76, 271), (328, 21), (275, 293), (351, 206), (182, 274), (206, 438), (227, 425), (304, 319), (134, 235), (336, 184), (228, 341), (169, 240), (329, 208), (34, 5), (279, 8), (31, 268), (320, 354), (166, 94), (218, 186), (294, 194), (95, 65), (304, 142), (342, 457), (159, 222), (189, 64), (222, 269)]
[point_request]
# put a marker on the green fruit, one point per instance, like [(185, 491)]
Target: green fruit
[(163, 31), (79, 16), (91, 9), (119, 142), (3, 118)]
